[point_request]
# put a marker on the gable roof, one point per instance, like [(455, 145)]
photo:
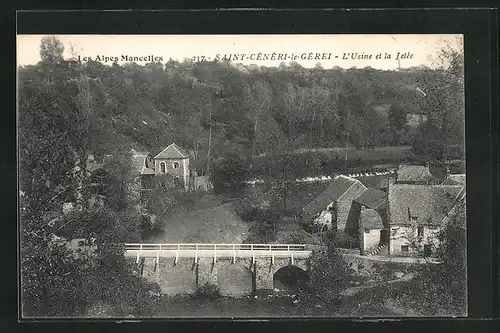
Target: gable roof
[(429, 203), (173, 151), (372, 198), (139, 162), (340, 185), (413, 173)]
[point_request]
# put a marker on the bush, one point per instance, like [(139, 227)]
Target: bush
[(330, 275), (207, 291)]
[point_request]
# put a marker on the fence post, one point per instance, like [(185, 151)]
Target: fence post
[(196, 254), (215, 254), (177, 254), (292, 257), (234, 254)]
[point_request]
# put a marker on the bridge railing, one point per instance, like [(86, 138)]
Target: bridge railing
[(216, 247)]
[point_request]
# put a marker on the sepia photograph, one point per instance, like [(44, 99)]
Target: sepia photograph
[(241, 176)]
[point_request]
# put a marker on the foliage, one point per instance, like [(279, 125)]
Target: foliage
[(264, 110), (57, 129), (230, 173), (329, 275), (51, 50), (66, 113), (207, 291), (397, 120), (444, 103)]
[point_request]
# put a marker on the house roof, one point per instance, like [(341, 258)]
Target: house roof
[(340, 185), (413, 173), (455, 179), (371, 219), (173, 151), (139, 162), (428, 203), (372, 198)]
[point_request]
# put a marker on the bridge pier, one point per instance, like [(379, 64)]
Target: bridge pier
[(206, 271), (264, 273)]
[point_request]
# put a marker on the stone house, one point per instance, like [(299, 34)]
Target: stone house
[(330, 210), (144, 166), (170, 168), (368, 221), (414, 174), (417, 214), (173, 161)]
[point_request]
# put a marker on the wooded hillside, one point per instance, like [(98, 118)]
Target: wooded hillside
[(251, 110)]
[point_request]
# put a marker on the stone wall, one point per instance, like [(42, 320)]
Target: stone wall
[(232, 279), (371, 240), (408, 236)]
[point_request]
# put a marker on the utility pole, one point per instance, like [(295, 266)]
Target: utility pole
[(209, 134), (347, 138)]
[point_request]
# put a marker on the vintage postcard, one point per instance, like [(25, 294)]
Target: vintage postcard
[(241, 176)]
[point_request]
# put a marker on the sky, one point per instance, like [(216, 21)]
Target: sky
[(307, 50)]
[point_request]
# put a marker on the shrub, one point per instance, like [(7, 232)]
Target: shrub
[(207, 291), (329, 275)]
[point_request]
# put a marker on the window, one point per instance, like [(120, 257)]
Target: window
[(420, 231), (176, 165), (404, 248), (162, 167)]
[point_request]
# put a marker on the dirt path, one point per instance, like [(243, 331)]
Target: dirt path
[(406, 260), (355, 290)]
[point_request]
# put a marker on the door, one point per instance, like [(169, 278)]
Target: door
[(384, 236), (427, 250)]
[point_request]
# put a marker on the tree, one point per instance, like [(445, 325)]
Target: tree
[(280, 178), (51, 50), (397, 120), (329, 275), (230, 173)]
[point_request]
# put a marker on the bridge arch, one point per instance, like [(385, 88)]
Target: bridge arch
[(290, 278), (236, 280)]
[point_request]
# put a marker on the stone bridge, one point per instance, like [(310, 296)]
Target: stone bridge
[(236, 269)]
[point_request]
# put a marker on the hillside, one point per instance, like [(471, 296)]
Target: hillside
[(252, 111)]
